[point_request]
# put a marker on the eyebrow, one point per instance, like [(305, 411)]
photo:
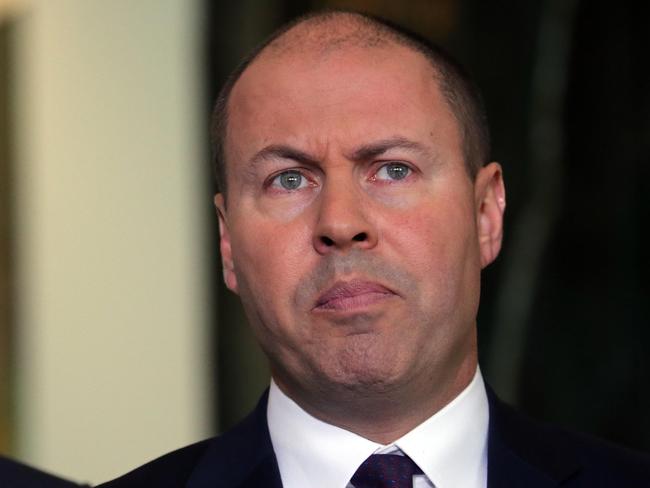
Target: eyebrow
[(281, 151), (362, 153), (377, 148)]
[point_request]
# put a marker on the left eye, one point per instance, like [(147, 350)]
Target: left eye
[(289, 180), (393, 171)]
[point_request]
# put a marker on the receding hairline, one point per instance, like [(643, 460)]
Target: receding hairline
[(330, 31)]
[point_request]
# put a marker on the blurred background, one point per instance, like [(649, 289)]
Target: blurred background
[(118, 341)]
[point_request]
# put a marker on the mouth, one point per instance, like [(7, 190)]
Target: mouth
[(351, 295)]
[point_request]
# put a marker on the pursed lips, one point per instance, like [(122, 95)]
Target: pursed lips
[(344, 296)]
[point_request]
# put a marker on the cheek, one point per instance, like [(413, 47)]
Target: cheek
[(270, 258), (438, 243)]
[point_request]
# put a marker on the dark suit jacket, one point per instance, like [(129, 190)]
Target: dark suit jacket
[(521, 453), (17, 475)]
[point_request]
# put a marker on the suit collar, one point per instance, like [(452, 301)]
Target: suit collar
[(450, 447), (522, 452), (241, 458)]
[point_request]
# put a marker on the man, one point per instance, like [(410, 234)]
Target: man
[(357, 207), (17, 475)]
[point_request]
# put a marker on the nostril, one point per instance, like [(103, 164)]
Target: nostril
[(360, 237), (327, 241)]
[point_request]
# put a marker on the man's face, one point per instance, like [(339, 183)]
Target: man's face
[(352, 231)]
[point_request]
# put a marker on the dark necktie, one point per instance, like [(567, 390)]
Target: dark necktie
[(386, 471)]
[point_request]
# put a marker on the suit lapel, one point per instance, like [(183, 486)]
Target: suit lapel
[(524, 453), (241, 458)]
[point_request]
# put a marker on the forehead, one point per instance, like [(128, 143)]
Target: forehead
[(356, 90)]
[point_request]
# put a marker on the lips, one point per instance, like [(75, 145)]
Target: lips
[(347, 296)]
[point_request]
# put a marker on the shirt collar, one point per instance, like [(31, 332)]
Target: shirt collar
[(450, 447)]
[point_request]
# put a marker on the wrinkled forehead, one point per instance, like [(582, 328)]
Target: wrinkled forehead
[(301, 49), (320, 42), (289, 70), (318, 79)]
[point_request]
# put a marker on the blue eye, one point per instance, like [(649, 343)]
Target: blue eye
[(289, 180), (393, 171)]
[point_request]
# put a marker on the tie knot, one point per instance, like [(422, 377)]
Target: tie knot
[(386, 471)]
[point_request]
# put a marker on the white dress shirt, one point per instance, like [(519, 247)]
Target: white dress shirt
[(450, 447)]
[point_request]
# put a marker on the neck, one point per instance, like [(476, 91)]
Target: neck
[(383, 417)]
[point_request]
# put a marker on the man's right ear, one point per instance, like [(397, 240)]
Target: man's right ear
[(229, 276)]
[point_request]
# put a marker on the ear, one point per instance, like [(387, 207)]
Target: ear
[(227, 263), (490, 198)]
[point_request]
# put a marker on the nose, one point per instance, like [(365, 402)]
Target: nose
[(343, 220)]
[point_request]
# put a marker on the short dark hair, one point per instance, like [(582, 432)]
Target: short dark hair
[(457, 87)]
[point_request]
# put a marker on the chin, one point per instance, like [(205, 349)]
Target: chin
[(371, 370)]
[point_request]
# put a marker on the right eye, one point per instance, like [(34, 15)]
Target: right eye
[(289, 180)]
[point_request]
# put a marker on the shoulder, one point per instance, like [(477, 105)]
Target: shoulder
[(171, 470), (529, 448), (15, 474), (225, 460), (607, 463)]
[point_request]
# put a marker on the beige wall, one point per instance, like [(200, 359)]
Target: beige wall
[(112, 301)]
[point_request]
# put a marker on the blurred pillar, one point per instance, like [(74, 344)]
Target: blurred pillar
[(111, 259)]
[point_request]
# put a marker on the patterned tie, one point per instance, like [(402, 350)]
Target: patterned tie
[(386, 471)]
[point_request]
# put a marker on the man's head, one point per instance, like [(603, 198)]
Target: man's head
[(354, 232)]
